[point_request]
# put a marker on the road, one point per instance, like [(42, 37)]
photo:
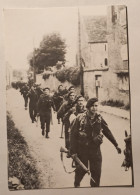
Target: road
[(46, 151)]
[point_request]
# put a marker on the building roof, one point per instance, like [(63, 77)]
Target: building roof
[(96, 27)]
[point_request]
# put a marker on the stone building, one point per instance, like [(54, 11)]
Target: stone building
[(104, 49)]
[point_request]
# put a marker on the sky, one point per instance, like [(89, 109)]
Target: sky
[(25, 28)]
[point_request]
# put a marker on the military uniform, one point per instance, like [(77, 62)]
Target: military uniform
[(44, 109), (66, 109), (33, 104), (84, 142), (24, 91)]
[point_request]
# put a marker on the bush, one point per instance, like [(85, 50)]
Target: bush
[(21, 164), (46, 75), (71, 74), (113, 103)]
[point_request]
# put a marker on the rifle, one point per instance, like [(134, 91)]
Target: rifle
[(76, 159)]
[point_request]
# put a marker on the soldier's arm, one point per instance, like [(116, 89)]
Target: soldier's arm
[(108, 133), (61, 111), (53, 105), (74, 136), (38, 105)]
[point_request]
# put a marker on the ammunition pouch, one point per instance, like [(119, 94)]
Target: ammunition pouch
[(82, 138), (98, 139)]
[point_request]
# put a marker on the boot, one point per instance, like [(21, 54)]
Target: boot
[(43, 132), (47, 135)]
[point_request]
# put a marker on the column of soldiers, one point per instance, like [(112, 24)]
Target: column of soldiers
[(84, 127)]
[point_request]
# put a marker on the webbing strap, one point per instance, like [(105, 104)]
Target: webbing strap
[(69, 172)]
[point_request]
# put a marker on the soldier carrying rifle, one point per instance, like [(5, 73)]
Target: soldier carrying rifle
[(86, 136)]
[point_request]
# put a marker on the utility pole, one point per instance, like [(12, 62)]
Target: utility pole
[(34, 69), (80, 61)]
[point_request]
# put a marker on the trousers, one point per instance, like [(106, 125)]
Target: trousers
[(94, 159), (45, 121)]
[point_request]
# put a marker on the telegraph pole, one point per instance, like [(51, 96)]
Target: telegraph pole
[(34, 69), (80, 61)]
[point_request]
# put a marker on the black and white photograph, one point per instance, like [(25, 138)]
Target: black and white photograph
[(68, 98)]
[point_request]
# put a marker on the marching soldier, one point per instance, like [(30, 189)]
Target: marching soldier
[(71, 89), (58, 98), (80, 108), (24, 91), (66, 109), (45, 104), (39, 91), (33, 103), (86, 136)]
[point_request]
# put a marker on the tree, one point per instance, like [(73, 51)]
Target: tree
[(52, 49)]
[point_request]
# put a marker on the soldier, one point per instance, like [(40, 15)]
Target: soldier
[(24, 91), (71, 89), (86, 137), (66, 109), (80, 107), (33, 103), (58, 98), (45, 104), (39, 91)]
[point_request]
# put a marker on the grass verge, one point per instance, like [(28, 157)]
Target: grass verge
[(20, 163)]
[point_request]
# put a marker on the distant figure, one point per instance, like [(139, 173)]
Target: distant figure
[(24, 91), (33, 103)]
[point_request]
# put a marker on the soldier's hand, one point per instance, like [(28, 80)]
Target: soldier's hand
[(37, 114), (118, 150)]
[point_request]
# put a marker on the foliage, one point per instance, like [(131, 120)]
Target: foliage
[(46, 75), (71, 74), (52, 49), (21, 165), (113, 103)]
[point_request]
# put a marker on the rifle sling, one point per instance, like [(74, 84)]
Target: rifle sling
[(69, 172)]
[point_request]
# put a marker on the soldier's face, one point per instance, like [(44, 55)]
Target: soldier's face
[(80, 102), (61, 88), (93, 109), (72, 97), (46, 91), (72, 90)]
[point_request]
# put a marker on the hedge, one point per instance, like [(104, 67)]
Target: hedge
[(71, 74)]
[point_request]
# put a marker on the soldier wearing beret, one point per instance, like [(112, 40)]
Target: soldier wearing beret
[(45, 103), (86, 136)]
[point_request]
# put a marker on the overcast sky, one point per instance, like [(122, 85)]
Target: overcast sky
[(25, 28)]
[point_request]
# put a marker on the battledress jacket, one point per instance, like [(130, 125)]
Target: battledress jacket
[(44, 105), (65, 109), (84, 131)]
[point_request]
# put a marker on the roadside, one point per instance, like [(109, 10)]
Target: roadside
[(22, 172), (125, 114)]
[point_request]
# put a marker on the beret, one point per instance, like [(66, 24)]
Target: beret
[(70, 94), (91, 101), (70, 87), (46, 88)]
